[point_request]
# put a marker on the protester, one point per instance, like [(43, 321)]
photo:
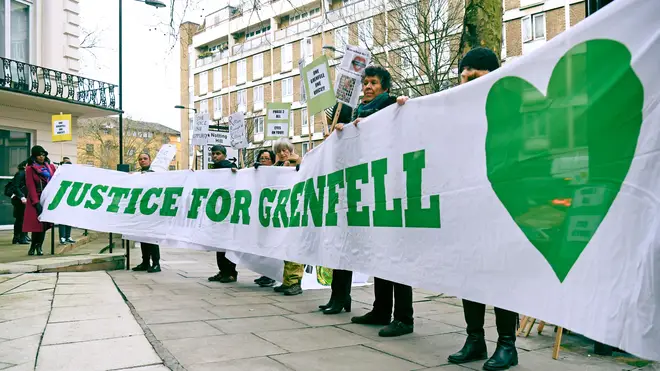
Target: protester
[(340, 297), (375, 88), (65, 230), (293, 272), (150, 252), (38, 172), (18, 201), (227, 269), (476, 63), (265, 157)]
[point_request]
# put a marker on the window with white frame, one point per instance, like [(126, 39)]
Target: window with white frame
[(217, 107), (366, 33), (291, 121), (287, 57), (341, 40), (257, 66), (203, 83), (258, 95), (305, 121), (533, 27), (257, 32), (241, 71), (304, 148), (409, 59), (204, 106), (241, 100), (287, 90), (15, 30), (259, 125), (299, 16), (217, 78), (307, 50), (409, 28)]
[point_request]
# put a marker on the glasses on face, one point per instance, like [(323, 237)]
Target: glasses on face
[(264, 158)]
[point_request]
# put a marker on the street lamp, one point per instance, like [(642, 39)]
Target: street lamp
[(333, 49), (186, 108), (195, 111)]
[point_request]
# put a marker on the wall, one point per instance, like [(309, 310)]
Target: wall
[(59, 35)]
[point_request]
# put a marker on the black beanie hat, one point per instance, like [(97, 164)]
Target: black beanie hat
[(38, 150), (479, 59), (219, 148)]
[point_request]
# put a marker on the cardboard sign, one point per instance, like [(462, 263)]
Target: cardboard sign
[(355, 59), (164, 157), (277, 120), (237, 132), (200, 129), (318, 86), (348, 86), (61, 128)]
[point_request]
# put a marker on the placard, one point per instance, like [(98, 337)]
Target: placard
[(237, 132), (355, 59), (318, 86), (61, 128), (277, 120), (200, 129), (163, 158), (348, 86)]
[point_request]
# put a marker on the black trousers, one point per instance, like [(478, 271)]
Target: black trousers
[(150, 252), (38, 238), (341, 283), (226, 267), (19, 211), (403, 300), (475, 314)]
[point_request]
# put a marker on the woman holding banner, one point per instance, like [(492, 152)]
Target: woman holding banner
[(38, 172), (265, 157)]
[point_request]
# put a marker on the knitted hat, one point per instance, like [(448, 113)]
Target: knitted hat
[(480, 59), (219, 148), (38, 150)]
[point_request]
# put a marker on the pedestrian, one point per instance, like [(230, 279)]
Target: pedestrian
[(65, 230), (17, 191), (38, 172), (227, 269), (265, 157), (476, 63), (375, 88), (150, 251), (293, 272)]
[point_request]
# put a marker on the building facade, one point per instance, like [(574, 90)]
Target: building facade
[(40, 61)]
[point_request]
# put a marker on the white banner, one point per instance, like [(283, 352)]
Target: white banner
[(533, 188)]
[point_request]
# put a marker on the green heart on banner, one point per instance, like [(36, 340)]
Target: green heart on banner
[(557, 162)]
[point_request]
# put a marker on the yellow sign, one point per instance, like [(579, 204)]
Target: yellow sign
[(61, 128)]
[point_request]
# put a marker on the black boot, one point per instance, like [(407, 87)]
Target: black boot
[(23, 240), (505, 354), (337, 305), (14, 240), (473, 350), (39, 251), (33, 248), (142, 267)]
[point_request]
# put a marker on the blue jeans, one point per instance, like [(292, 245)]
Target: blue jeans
[(65, 231)]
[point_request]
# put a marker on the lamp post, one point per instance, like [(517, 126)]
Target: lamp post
[(195, 111)]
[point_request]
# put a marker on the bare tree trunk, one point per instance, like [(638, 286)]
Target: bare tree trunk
[(482, 25)]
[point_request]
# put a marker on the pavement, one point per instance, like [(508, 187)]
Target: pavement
[(178, 320)]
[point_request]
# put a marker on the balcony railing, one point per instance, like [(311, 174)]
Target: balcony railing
[(297, 28), (26, 78), (350, 9), (251, 44)]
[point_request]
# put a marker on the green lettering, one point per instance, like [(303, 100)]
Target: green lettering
[(132, 201), (354, 217), (74, 199), (382, 216), (296, 191), (117, 193), (242, 202), (97, 197), (279, 214), (211, 213), (198, 194), (145, 209), (172, 194), (314, 201), (416, 216), (64, 185), (335, 181), (269, 195)]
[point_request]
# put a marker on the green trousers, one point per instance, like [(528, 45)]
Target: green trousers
[(293, 273)]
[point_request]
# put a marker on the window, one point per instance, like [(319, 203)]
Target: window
[(258, 92), (241, 99), (304, 148), (257, 66), (366, 33), (241, 71), (259, 125), (217, 107), (287, 90), (409, 59), (304, 126), (299, 16), (533, 27), (256, 33), (89, 148), (291, 121), (203, 83), (16, 31), (409, 27), (204, 106), (341, 40), (307, 50), (287, 57), (217, 79)]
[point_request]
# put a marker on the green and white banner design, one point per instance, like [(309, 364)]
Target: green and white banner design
[(534, 188)]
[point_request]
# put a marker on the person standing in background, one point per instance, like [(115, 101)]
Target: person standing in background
[(18, 201), (149, 251), (265, 157), (65, 230), (38, 172)]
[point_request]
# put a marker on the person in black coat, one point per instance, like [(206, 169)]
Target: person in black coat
[(18, 201), (149, 251)]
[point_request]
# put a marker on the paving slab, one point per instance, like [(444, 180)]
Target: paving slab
[(249, 310), (345, 358), (88, 312), (177, 315), (170, 331), (96, 329), (255, 324), (301, 340), (147, 368), (228, 300), (84, 289), (75, 300), (219, 348), (458, 319), (319, 319), (18, 328), (98, 355), (20, 351), (423, 327), (9, 313), (252, 364)]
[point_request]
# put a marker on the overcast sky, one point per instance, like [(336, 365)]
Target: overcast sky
[(150, 68)]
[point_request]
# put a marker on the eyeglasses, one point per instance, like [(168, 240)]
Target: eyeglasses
[(264, 159)]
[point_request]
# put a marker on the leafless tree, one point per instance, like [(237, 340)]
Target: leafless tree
[(179, 11)]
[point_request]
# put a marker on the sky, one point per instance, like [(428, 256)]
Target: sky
[(150, 66)]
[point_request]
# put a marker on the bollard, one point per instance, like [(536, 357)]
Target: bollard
[(52, 240), (128, 255), (110, 242)]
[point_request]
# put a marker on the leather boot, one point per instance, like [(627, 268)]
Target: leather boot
[(328, 305), (474, 349), (39, 251), (14, 240), (33, 248), (338, 305), (505, 354)]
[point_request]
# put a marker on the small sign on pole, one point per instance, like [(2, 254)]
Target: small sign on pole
[(61, 128), (318, 86), (277, 120)]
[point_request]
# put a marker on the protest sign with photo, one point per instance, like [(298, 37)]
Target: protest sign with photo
[(355, 59), (277, 120)]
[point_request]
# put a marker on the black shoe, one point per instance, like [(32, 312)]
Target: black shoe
[(280, 288), (505, 354), (154, 269), (267, 282), (39, 251), (293, 290), (33, 248), (27, 238), (261, 279), (338, 305), (396, 328), (326, 306), (473, 350), (23, 240), (143, 267), (372, 319), (216, 278), (228, 279), (14, 240)]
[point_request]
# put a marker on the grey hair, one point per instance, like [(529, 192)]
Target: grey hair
[(281, 144)]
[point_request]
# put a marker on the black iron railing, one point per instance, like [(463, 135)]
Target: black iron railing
[(26, 78)]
